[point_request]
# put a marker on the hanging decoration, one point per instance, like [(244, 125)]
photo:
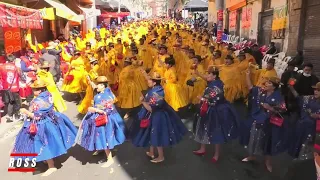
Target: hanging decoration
[(114, 14), (17, 16), (233, 19), (246, 17), (279, 23), (12, 39), (219, 25)]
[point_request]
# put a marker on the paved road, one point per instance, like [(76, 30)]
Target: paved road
[(131, 163)]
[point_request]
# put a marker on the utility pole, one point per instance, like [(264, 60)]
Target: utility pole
[(219, 6)]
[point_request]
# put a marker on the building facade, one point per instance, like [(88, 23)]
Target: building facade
[(294, 25)]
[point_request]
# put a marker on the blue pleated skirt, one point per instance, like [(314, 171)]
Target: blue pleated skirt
[(165, 129), (54, 137), (218, 126), (301, 140), (264, 138), (94, 138)]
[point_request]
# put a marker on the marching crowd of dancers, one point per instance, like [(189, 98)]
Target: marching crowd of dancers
[(177, 67)]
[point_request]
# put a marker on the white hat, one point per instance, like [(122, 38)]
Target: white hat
[(52, 45)]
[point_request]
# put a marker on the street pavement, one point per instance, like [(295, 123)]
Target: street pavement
[(131, 163)]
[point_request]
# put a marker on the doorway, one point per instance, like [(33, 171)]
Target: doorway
[(265, 27)]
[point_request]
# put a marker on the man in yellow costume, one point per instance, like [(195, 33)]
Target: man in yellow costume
[(129, 91), (262, 75), (159, 65), (91, 77), (75, 80)]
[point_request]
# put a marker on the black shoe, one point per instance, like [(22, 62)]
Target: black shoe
[(18, 117), (9, 119)]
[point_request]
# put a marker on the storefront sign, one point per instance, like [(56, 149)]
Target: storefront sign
[(90, 12), (17, 16), (12, 39), (233, 19), (219, 25), (279, 22), (246, 18), (93, 13)]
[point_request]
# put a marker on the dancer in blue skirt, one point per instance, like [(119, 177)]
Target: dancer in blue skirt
[(217, 121), (304, 133), (102, 128), (265, 132), (45, 132), (160, 125)]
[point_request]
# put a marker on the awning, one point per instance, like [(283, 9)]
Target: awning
[(235, 4), (114, 14), (112, 4), (90, 12), (19, 16), (64, 12), (197, 4)]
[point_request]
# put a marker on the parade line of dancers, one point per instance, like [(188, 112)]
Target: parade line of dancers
[(50, 133)]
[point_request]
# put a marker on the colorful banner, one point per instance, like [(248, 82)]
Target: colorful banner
[(233, 19), (246, 18), (47, 13), (12, 39), (114, 14), (279, 22), (17, 16), (219, 25)]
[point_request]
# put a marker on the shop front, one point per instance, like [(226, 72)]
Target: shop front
[(109, 17), (14, 23)]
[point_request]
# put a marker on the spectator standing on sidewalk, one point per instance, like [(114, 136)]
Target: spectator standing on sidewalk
[(52, 49), (10, 93), (52, 61), (306, 80)]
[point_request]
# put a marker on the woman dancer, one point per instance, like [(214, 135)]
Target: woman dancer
[(160, 126), (264, 132), (44, 74), (302, 140), (217, 121), (75, 81), (176, 96), (92, 75), (102, 128), (45, 132)]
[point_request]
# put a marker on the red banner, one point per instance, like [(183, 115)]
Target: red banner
[(114, 14), (16, 16), (12, 39), (246, 17), (233, 19), (219, 25)]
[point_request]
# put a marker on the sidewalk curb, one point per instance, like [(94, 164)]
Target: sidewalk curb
[(7, 128)]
